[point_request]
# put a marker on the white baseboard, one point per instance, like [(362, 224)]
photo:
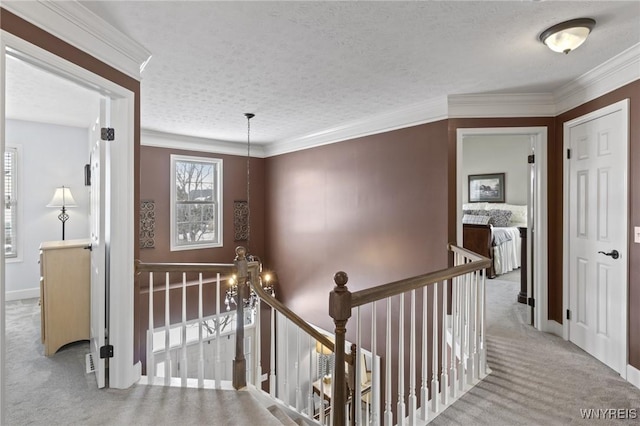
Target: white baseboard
[(633, 376), (554, 327), (29, 293)]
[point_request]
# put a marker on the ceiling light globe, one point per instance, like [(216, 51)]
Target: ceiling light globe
[(567, 36)]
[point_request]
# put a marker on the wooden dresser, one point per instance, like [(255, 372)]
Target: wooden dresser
[(65, 288)]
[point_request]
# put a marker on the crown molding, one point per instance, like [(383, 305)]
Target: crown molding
[(502, 105), (424, 112), (606, 77), (191, 143), (78, 26)]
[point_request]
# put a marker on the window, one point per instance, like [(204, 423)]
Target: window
[(11, 202), (196, 203)]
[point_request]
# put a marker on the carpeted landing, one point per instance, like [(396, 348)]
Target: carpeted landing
[(537, 379)]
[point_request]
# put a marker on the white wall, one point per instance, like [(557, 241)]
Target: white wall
[(498, 154), (52, 156)]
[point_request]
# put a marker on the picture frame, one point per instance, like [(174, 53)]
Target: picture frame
[(488, 187)]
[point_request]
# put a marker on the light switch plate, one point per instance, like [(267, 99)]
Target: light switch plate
[(636, 234)]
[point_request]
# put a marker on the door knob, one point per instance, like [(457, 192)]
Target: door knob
[(89, 247), (612, 253)]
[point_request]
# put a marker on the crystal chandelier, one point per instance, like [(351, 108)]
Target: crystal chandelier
[(266, 279)]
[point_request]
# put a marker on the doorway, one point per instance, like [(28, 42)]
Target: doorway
[(122, 372), (596, 233), (536, 233)]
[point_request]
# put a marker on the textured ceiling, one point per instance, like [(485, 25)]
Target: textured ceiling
[(304, 67)]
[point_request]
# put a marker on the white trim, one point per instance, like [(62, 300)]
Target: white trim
[(122, 370), (633, 375), (610, 75), (424, 112), (191, 143), (78, 26), (30, 293), (622, 106), (218, 203), (539, 137), (554, 327), (503, 105)]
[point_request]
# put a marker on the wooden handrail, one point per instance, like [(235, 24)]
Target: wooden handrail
[(383, 291), (292, 316), (223, 268)]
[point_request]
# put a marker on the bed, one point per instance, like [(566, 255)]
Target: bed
[(494, 230)]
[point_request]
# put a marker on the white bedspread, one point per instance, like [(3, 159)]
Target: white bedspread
[(506, 256)]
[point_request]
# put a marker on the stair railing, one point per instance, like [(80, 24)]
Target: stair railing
[(452, 351)]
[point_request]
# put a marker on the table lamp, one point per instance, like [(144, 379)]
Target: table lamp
[(62, 198)]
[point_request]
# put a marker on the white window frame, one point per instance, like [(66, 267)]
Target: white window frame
[(217, 163), (17, 220)]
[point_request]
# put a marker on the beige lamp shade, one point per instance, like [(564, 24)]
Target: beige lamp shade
[(322, 349), (62, 198)]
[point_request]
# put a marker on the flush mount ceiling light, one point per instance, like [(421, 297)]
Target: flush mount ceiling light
[(566, 36)]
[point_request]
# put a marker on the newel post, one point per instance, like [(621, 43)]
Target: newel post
[(340, 311), (239, 378)]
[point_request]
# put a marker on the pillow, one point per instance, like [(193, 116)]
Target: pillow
[(475, 219), (475, 212), (499, 218)]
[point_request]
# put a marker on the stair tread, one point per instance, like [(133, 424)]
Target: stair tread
[(281, 416)]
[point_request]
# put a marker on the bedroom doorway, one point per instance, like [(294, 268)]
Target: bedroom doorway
[(528, 205), (122, 372)]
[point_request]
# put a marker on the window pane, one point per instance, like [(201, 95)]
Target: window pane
[(196, 204), (195, 181), (195, 223)]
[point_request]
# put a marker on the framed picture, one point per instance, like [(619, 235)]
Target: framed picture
[(487, 188)]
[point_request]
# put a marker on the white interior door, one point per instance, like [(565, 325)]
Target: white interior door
[(598, 235), (98, 245)]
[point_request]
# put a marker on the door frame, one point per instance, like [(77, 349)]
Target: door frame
[(538, 138), (622, 106), (123, 372)]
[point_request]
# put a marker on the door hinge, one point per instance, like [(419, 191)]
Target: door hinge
[(531, 302), (107, 133), (531, 159), (568, 154), (568, 314), (106, 351)]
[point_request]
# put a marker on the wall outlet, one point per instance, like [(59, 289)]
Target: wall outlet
[(636, 234)]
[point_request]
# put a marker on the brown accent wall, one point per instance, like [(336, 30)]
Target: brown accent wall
[(631, 92), (375, 207), (31, 33), (155, 184)]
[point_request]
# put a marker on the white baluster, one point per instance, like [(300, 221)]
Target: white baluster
[(435, 367), (412, 400), (200, 344), (183, 363), (167, 333), (374, 400), (358, 369), (463, 323), (272, 356), (444, 377), (472, 329), (151, 362), (483, 342), (476, 330), (310, 403), (424, 390), (257, 382), (217, 372), (401, 406), (287, 363), (388, 413), (454, 336), (297, 367)]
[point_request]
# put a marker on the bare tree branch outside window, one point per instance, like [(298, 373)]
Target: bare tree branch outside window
[(196, 199)]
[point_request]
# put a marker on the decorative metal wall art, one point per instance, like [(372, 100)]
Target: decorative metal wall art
[(147, 224), (241, 220)]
